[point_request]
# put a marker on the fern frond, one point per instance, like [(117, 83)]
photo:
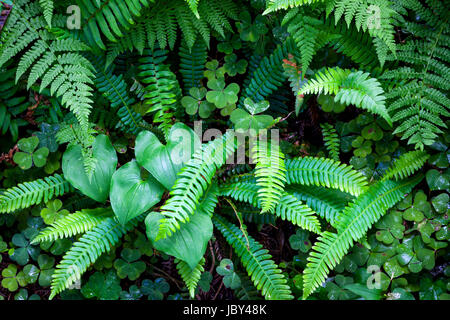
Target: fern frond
[(191, 277), (73, 224), (47, 6), (87, 250), (192, 182), (328, 203), (351, 226), (56, 62), (350, 88), (276, 5), (270, 173), (326, 173), (406, 165), (331, 139), (110, 18), (27, 194), (264, 273), (162, 88), (114, 88), (269, 75), (287, 208), (192, 64)]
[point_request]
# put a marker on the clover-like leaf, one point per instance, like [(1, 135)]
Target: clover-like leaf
[(52, 213), (220, 94), (47, 136), (132, 294), (213, 71), (155, 290), (230, 278), (11, 279), (129, 266), (102, 286), (234, 66), (300, 241), (196, 103)]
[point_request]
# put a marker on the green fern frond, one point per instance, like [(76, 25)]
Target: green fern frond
[(192, 64), (192, 182), (270, 173), (352, 224), (417, 88), (406, 165), (27, 194), (12, 103), (326, 173), (47, 6), (57, 63), (287, 208), (73, 224), (162, 88), (247, 291), (264, 273), (110, 18), (276, 5), (191, 277), (331, 139), (328, 203), (350, 88), (115, 89), (87, 250), (269, 75)]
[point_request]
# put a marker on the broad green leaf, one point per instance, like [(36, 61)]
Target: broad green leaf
[(97, 187), (130, 195), (165, 161), (187, 244)]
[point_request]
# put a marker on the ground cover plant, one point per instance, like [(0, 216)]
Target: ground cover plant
[(215, 150)]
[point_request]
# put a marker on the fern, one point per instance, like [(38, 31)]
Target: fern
[(27, 194), (331, 140), (193, 181), (276, 5), (110, 18), (87, 250), (406, 165), (192, 64), (328, 203), (269, 172), (418, 88), (305, 31), (57, 62), (287, 208), (350, 88), (115, 90), (73, 224), (269, 75), (352, 224), (12, 103), (326, 173), (191, 277), (162, 88), (263, 271), (47, 6), (165, 20), (247, 291)]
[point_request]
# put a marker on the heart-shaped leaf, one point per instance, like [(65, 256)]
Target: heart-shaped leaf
[(165, 161), (97, 187), (130, 195), (187, 244)]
